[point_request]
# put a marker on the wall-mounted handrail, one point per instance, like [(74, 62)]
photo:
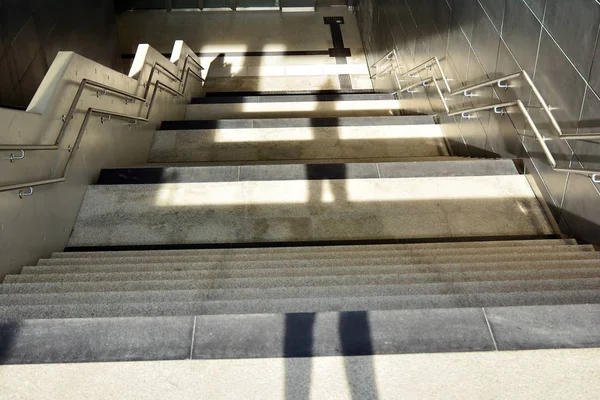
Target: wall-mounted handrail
[(482, 108), (426, 65), (392, 54), (486, 83), (158, 86), (501, 82)]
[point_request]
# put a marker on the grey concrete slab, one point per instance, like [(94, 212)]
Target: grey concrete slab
[(514, 245), (296, 144), (447, 168), (95, 340), (337, 275), (288, 211), (308, 171), (347, 333), (545, 327), (543, 253), (345, 264), (212, 294)]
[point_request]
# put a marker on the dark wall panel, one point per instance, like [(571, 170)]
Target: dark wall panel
[(34, 31), (555, 41)]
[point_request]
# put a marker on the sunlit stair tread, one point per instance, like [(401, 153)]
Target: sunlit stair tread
[(278, 211)]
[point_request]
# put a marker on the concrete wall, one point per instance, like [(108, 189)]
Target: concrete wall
[(555, 41), (32, 32), (35, 226)]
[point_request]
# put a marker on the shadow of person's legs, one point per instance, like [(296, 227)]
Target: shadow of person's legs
[(355, 339), (298, 344)]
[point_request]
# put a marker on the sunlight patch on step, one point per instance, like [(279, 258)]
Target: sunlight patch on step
[(270, 135), (434, 190), (320, 106), (273, 107), (327, 133)]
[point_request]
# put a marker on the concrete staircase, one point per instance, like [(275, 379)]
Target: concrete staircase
[(304, 280), (261, 213)]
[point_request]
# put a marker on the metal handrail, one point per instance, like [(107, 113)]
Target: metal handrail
[(427, 65), (500, 108), (158, 86), (389, 69)]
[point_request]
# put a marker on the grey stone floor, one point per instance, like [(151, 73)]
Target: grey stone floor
[(300, 210), (535, 375), (310, 143)]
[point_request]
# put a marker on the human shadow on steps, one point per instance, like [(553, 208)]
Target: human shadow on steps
[(353, 340)]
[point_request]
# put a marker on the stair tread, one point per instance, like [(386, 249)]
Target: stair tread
[(242, 98), (143, 263), (233, 173), (212, 294), (288, 211), (367, 122), (300, 305), (271, 276), (512, 244)]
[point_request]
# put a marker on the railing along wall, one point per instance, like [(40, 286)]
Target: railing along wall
[(26, 188), (500, 108)]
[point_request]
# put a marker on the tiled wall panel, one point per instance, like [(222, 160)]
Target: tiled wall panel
[(555, 41), (32, 32)]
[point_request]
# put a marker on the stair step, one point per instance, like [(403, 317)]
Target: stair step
[(323, 140), (264, 94), (300, 252), (248, 107), (285, 83), (267, 123), (241, 283), (405, 273), (241, 98), (56, 265), (301, 305), (163, 296), (309, 211), (234, 173)]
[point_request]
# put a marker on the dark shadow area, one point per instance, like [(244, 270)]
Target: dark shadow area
[(354, 335), (298, 344), (218, 69), (9, 330)]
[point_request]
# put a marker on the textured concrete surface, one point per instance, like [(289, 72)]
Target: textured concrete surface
[(543, 375), (517, 245), (313, 143), (230, 259), (308, 210)]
